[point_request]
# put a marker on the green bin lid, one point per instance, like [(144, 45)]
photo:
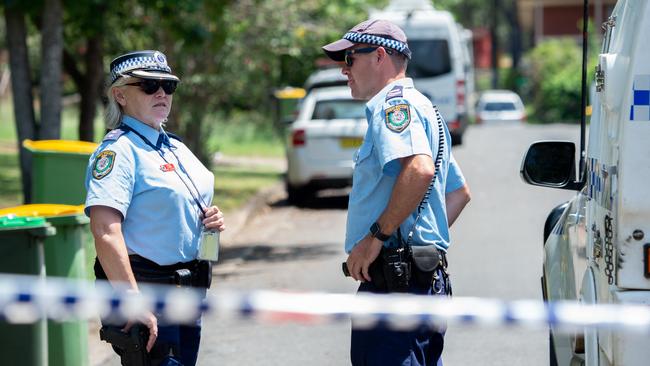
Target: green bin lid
[(14, 222)]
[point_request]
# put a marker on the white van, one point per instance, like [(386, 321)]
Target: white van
[(441, 60), (597, 245)]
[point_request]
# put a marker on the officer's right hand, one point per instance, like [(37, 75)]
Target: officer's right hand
[(361, 256), (150, 321)]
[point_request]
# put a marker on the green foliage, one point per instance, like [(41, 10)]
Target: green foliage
[(554, 73), (229, 54), (555, 76), (245, 134)]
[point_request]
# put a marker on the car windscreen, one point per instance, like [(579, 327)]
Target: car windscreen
[(499, 107), (430, 58), (340, 109)]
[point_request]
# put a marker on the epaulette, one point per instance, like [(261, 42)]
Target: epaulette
[(396, 92), (115, 134)]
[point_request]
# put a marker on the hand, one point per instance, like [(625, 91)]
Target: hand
[(362, 255), (214, 219), (150, 321)]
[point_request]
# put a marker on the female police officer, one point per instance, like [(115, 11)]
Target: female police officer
[(148, 197)]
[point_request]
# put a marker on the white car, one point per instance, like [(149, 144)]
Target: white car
[(322, 142), (500, 106)]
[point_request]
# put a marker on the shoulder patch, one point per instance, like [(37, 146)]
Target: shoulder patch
[(114, 134), (398, 117), (103, 164), (396, 92)]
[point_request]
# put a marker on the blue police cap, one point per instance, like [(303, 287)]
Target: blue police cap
[(146, 64)]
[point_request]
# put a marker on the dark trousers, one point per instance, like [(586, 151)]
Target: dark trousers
[(184, 338), (383, 346), (182, 341)]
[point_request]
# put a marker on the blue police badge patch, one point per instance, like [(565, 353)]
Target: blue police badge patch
[(103, 164), (398, 117)]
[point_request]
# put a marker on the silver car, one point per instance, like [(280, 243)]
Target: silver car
[(500, 106)]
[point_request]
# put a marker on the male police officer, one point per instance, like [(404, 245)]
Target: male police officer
[(405, 147)]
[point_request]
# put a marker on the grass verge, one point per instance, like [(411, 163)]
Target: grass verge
[(10, 188), (234, 185)]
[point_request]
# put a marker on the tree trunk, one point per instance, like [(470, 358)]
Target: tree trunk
[(21, 87), (515, 33), (51, 70), (494, 52), (91, 87)]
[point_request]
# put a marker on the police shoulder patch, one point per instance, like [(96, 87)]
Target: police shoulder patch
[(398, 117), (103, 164)]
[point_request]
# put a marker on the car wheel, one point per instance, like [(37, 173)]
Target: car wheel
[(553, 218), (298, 195)]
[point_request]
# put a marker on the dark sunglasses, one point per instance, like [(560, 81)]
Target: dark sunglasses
[(348, 53), (150, 86)]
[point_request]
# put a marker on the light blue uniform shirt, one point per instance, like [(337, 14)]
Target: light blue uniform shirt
[(161, 220), (377, 167)]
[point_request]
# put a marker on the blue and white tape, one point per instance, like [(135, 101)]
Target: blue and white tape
[(28, 299)]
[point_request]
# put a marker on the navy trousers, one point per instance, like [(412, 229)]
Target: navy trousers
[(386, 347), (182, 341)]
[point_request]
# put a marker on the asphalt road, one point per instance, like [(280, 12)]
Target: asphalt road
[(496, 253)]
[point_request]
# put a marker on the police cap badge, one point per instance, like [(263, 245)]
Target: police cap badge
[(142, 64)]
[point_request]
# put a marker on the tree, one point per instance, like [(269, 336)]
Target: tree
[(21, 83), (83, 57), (27, 126), (51, 70)]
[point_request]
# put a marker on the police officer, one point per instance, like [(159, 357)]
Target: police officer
[(406, 145), (149, 198)]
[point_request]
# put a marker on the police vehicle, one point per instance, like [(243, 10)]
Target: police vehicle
[(441, 67), (597, 245)]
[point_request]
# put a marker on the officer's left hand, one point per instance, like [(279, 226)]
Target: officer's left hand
[(214, 219), (362, 255)]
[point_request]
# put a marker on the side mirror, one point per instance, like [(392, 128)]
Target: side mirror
[(551, 164)]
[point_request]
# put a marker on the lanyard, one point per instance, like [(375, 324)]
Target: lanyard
[(197, 198)]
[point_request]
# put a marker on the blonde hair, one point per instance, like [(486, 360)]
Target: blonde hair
[(113, 113)]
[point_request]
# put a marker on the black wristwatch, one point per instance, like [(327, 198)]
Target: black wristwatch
[(375, 231)]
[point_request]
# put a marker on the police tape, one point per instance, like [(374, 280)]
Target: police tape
[(25, 299)]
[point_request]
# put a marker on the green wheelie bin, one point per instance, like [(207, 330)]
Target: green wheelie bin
[(59, 170), (59, 173), (64, 257), (21, 252)]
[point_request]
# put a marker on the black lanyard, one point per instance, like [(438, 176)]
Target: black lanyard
[(197, 198)]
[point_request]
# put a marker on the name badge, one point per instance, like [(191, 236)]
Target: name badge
[(167, 167)]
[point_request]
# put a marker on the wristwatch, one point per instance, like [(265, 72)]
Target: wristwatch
[(375, 231)]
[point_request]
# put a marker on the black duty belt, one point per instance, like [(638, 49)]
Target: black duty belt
[(195, 273)]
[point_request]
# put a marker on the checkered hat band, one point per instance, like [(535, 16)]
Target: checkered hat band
[(379, 41), (138, 63)]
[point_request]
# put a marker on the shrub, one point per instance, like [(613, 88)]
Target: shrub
[(553, 69)]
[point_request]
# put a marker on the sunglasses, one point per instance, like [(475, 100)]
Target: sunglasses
[(348, 53), (150, 86)]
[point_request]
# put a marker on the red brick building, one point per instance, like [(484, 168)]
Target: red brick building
[(560, 18)]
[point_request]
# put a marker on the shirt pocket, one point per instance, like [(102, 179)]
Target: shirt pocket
[(363, 153)]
